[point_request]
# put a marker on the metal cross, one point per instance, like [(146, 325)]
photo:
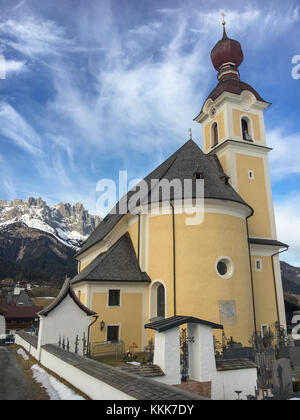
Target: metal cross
[(76, 344), (223, 14)]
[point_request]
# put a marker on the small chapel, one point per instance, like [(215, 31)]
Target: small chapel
[(141, 267)]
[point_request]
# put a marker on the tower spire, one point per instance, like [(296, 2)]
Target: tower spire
[(224, 26)]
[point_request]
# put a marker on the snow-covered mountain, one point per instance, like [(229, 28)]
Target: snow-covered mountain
[(71, 225)]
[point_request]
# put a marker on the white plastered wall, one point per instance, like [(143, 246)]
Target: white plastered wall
[(67, 320)]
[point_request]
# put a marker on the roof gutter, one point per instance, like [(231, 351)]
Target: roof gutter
[(88, 353)]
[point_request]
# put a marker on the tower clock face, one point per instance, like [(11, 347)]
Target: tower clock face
[(213, 112)]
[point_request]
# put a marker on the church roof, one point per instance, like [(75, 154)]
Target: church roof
[(65, 291), (235, 86), (268, 242), (181, 165), (119, 263)]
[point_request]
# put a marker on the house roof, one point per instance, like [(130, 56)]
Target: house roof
[(119, 263), (176, 321), (181, 165), (14, 312), (2, 311), (66, 291)]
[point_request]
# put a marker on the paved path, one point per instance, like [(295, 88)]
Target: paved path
[(15, 384)]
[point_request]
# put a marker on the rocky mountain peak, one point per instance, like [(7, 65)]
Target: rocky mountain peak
[(71, 224)]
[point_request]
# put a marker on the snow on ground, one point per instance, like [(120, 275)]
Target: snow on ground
[(55, 389), (22, 353)]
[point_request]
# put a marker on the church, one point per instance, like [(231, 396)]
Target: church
[(140, 267)]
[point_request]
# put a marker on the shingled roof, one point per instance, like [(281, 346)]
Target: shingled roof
[(181, 165), (119, 263)]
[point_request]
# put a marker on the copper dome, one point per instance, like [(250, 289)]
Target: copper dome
[(226, 51)]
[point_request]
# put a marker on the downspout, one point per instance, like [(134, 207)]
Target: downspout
[(174, 257), (274, 277), (139, 237), (88, 353), (252, 282)]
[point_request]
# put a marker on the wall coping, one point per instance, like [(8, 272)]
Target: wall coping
[(133, 385), (31, 339)]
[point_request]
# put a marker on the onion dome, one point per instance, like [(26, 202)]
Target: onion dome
[(227, 56)]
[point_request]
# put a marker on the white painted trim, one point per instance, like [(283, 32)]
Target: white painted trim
[(107, 301), (263, 250), (230, 208), (279, 290)]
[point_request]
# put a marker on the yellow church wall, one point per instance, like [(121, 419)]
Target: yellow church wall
[(219, 119), (83, 298), (129, 316), (254, 192), (264, 292), (237, 116), (223, 163), (199, 289), (133, 231), (160, 256)]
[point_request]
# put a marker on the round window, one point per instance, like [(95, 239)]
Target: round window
[(224, 267)]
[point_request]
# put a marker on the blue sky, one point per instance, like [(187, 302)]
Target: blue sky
[(98, 86)]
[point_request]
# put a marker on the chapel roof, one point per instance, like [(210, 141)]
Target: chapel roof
[(182, 165), (65, 291), (119, 263)]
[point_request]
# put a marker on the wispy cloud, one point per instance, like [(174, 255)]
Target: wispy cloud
[(117, 89), (285, 157), (13, 66), (33, 36), (7, 181), (14, 127)]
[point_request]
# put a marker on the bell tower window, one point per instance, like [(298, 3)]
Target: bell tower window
[(214, 134), (246, 129)]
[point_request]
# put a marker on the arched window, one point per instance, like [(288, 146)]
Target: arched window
[(246, 129), (158, 301), (214, 135), (161, 301)]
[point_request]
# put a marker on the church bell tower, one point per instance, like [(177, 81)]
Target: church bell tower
[(233, 128)]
